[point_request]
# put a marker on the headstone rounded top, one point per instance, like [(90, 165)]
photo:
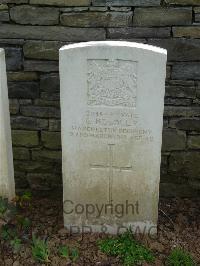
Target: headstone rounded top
[(115, 44)]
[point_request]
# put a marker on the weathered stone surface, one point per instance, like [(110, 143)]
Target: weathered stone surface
[(47, 155), (25, 138), (30, 123), (4, 15), (25, 101), (42, 49), (61, 2), (40, 111), (180, 92), (25, 90), (14, 106), (13, 58), (173, 140), (41, 66), (21, 154), (54, 125), (52, 33), (97, 19), (25, 14), (186, 71), (137, 32), (50, 82), (183, 2), (4, 42), (44, 181), (194, 141), (162, 16), (189, 124), (126, 2), (185, 163), (192, 31), (178, 111), (51, 140), (197, 14), (179, 49), (22, 76), (50, 96)]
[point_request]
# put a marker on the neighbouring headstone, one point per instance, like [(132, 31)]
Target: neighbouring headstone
[(7, 184), (112, 100)]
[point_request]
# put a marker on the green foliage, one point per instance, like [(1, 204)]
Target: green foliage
[(66, 252), (179, 257), (7, 210), (16, 244), (126, 248), (7, 232), (74, 254), (40, 250)]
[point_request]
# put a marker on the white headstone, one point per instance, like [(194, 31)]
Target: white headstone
[(112, 100), (7, 185)]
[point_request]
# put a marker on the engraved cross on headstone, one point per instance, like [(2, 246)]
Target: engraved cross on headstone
[(111, 167)]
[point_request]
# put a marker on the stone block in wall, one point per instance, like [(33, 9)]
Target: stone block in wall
[(181, 111), (39, 166), (22, 89), (52, 33), (25, 14), (13, 58), (180, 92), (187, 124), (42, 49), (4, 16), (44, 181), (138, 32), (50, 96), (51, 140), (197, 14), (97, 19), (50, 82), (21, 154), (162, 16), (126, 2), (183, 2), (194, 141), (61, 2), (185, 163), (173, 140), (14, 1), (177, 101), (42, 102), (41, 66), (25, 138), (3, 7), (22, 76), (40, 111), (21, 180), (30, 123), (179, 49), (14, 106), (186, 71), (187, 32), (46, 155), (54, 125)]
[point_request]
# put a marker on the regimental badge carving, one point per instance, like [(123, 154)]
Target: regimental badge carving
[(112, 82)]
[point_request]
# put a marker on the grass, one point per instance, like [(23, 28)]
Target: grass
[(179, 257), (40, 250), (127, 249)]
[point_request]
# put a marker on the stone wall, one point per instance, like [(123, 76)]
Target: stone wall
[(32, 31)]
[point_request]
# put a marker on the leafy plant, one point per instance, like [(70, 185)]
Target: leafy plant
[(74, 254), (16, 244), (7, 211), (40, 250), (64, 251), (179, 257), (126, 248)]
